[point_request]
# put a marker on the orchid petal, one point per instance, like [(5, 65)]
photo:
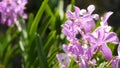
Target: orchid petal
[(65, 48), (118, 50), (115, 62), (95, 16), (77, 11), (91, 38), (63, 59), (88, 24), (83, 64), (101, 34), (91, 8), (106, 52), (93, 48), (105, 18), (69, 15), (83, 12), (88, 53), (76, 49), (112, 37)]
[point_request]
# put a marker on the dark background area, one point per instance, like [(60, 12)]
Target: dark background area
[(102, 6)]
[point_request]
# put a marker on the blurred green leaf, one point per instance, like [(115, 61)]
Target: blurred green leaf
[(8, 40), (30, 21), (48, 41), (118, 31), (10, 55), (45, 24), (41, 54), (71, 63), (49, 10), (34, 25), (102, 65), (60, 9), (44, 27)]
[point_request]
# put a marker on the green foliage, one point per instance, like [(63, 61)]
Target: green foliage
[(102, 65), (34, 25)]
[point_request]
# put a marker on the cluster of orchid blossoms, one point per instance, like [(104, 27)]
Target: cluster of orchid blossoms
[(86, 40), (12, 10)]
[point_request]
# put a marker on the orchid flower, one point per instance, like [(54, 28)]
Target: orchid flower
[(70, 30), (11, 10), (81, 56), (100, 38), (84, 19)]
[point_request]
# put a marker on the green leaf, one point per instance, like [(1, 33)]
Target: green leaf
[(102, 65), (10, 54), (34, 25), (118, 31), (45, 24), (8, 39), (48, 10), (71, 63), (49, 40), (41, 54), (60, 9), (30, 21)]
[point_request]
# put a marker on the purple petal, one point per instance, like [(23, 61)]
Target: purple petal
[(67, 27), (63, 59), (93, 48), (93, 61), (91, 8), (115, 62), (77, 11), (83, 64), (65, 48), (118, 49), (106, 52), (83, 12), (112, 37), (89, 53), (67, 24), (66, 32), (69, 15), (101, 34), (91, 38), (88, 24), (95, 16), (76, 49), (105, 18)]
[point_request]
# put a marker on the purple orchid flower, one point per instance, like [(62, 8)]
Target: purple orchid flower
[(70, 30), (101, 36), (81, 56), (84, 19), (116, 60), (11, 10), (99, 40)]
